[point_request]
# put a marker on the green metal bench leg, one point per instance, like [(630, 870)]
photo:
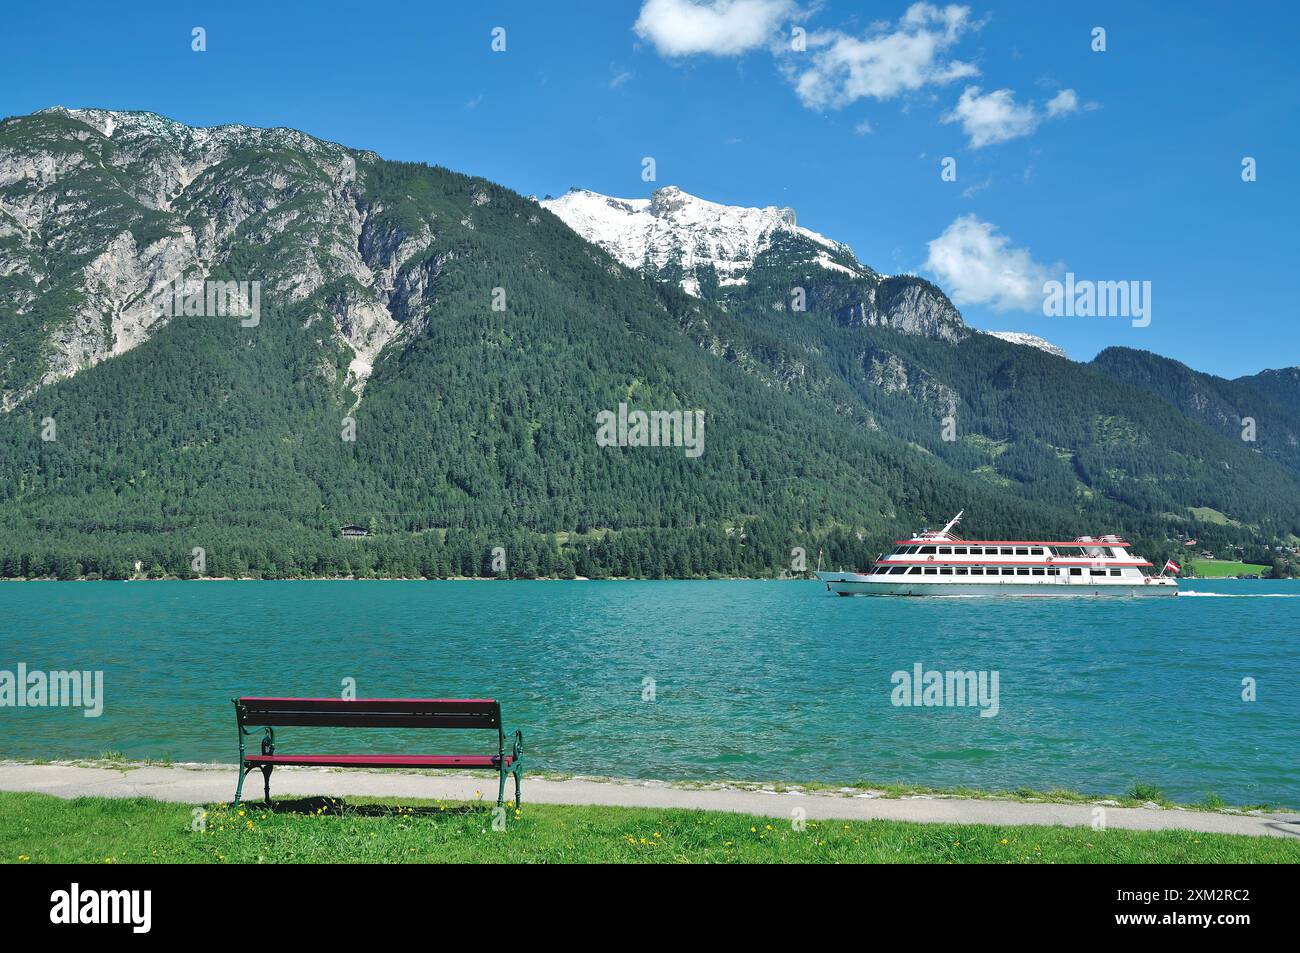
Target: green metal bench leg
[(239, 788), (517, 765), (501, 788)]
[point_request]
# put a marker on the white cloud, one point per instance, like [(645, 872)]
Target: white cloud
[(989, 118), (863, 128), (619, 79), (975, 264), (719, 27), (894, 59), (992, 117), (1063, 103)]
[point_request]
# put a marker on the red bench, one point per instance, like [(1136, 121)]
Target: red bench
[(264, 715)]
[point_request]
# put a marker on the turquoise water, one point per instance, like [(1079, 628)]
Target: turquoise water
[(752, 680)]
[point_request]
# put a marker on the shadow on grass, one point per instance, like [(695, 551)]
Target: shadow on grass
[(339, 807)]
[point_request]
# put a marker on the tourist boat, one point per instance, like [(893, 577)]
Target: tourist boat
[(942, 564)]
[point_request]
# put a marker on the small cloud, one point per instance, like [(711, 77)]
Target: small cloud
[(1062, 104), (989, 118), (732, 141), (474, 103), (888, 60), (619, 78), (716, 27), (977, 265), (863, 128), (971, 190)]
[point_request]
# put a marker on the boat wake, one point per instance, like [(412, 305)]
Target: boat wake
[(1240, 595)]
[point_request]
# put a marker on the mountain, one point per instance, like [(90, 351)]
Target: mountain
[(700, 243), (730, 253), (431, 355), (102, 210), (1261, 411)]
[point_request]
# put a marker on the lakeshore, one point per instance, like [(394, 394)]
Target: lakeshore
[(194, 783), (136, 813), (688, 680)]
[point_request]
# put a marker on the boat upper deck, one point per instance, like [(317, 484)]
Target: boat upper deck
[(948, 538)]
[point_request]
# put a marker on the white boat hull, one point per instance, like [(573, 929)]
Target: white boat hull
[(857, 584)]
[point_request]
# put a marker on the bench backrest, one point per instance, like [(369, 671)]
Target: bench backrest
[(370, 712)]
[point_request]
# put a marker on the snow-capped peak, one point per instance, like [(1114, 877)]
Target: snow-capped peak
[(1029, 340), (111, 121), (675, 227)]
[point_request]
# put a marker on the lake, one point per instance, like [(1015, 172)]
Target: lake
[(745, 680)]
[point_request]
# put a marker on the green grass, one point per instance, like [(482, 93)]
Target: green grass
[(39, 828), (1211, 568), (1207, 514)]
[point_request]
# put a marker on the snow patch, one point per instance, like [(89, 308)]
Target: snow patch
[(674, 226), (1028, 340)]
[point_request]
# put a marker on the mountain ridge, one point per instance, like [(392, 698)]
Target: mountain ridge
[(472, 426)]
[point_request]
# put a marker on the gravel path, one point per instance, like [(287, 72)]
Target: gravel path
[(208, 783)]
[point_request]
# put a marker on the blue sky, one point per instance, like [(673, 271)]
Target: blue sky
[(1117, 165)]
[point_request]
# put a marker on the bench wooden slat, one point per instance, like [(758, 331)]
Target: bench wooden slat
[(362, 720), (371, 712), (381, 760)]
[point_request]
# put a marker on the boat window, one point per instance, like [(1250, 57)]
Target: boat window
[(1053, 572), (1115, 572), (1022, 572), (961, 570), (1037, 572), (1096, 572), (897, 570), (914, 571), (930, 570), (1008, 571), (927, 550), (959, 550), (945, 571), (1022, 550), (1076, 571), (945, 550), (977, 550), (977, 570), (1008, 551)]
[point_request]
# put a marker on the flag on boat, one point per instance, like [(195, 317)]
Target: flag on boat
[(1170, 564)]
